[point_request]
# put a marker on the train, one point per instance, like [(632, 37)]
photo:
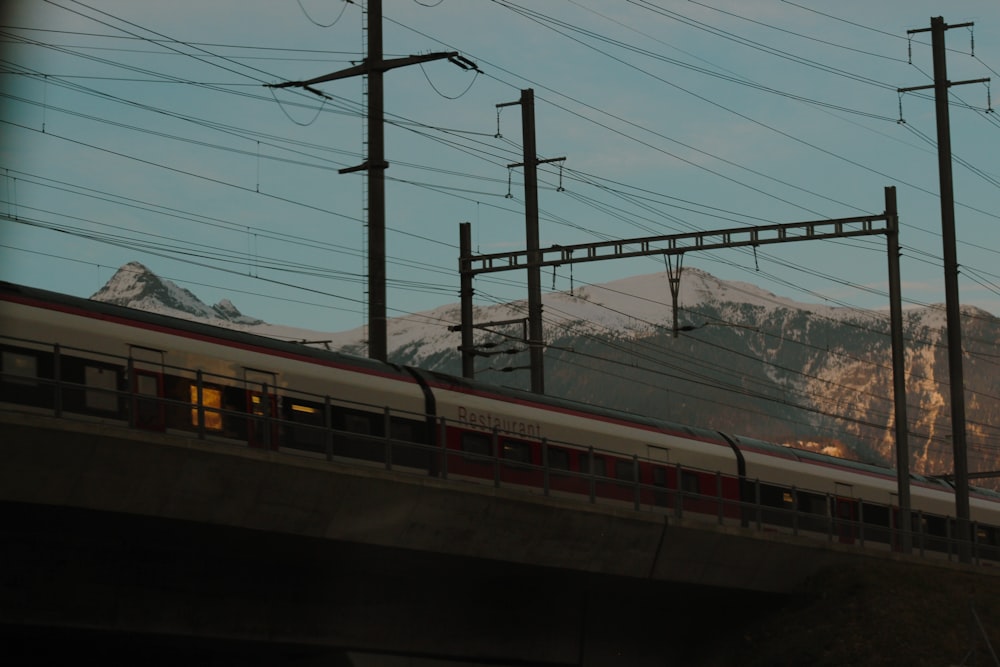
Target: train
[(71, 356)]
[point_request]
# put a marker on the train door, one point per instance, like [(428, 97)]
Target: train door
[(660, 458), (262, 406), (146, 385), (845, 512)]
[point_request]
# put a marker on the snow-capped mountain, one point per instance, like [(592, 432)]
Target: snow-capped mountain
[(135, 286), (745, 361)]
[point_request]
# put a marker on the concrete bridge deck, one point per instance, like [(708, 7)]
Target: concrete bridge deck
[(150, 534)]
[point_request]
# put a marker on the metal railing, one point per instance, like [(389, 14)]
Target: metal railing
[(381, 446)]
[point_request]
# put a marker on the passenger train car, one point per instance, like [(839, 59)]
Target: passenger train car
[(70, 356)]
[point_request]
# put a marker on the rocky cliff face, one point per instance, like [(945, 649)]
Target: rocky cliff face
[(805, 375), (747, 362)]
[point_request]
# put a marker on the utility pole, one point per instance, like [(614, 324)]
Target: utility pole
[(374, 66), (952, 303), (898, 372), (536, 342), (467, 347)]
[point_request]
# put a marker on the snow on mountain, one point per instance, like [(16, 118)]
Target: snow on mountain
[(628, 308), (135, 286), (632, 307), (748, 361)]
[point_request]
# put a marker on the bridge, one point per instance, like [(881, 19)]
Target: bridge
[(133, 539)]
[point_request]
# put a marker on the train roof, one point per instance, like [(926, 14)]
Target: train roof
[(806, 455), (102, 310), (466, 385)]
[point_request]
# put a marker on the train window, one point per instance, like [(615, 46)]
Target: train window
[(149, 410), (403, 430), (211, 398), (769, 495), (812, 503), (597, 465), (257, 404), (690, 482), (517, 450), (479, 444), (357, 422), (624, 470), (102, 385), (476, 443), (876, 515), (146, 384), (313, 415), (558, 458), (20, 368)]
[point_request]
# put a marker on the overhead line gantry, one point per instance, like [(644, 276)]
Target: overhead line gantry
[(533, 259)]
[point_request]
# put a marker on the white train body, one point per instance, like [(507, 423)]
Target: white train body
[(97, 361)]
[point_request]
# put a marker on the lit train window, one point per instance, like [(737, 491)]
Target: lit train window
[(212, 400), (101, 386), (517, 450), (20, 368)]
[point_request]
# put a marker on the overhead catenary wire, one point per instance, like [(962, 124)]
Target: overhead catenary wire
[(655, 212)]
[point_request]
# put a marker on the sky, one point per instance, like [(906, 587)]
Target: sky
[(142, 131)]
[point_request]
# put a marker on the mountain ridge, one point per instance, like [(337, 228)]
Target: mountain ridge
[(746, 361), (135, 286)]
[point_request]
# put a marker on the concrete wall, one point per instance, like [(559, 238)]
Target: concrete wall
[(153, 533)]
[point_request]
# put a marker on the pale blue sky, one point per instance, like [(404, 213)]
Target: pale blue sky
[(142, 131)]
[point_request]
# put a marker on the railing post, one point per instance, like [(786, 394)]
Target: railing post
[(679, 494), (635, 479), (266, 411), (133, 388), (545, 466), (444, 448), (495, 444), (975, 542), (830, 517), (947, 534), (795, 511), (920, 529), (718, 495), (57, 376), (861, 521), (894, 531), (590, 474), (328, 427), (756, 502), (387, 431), (200, 403)]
